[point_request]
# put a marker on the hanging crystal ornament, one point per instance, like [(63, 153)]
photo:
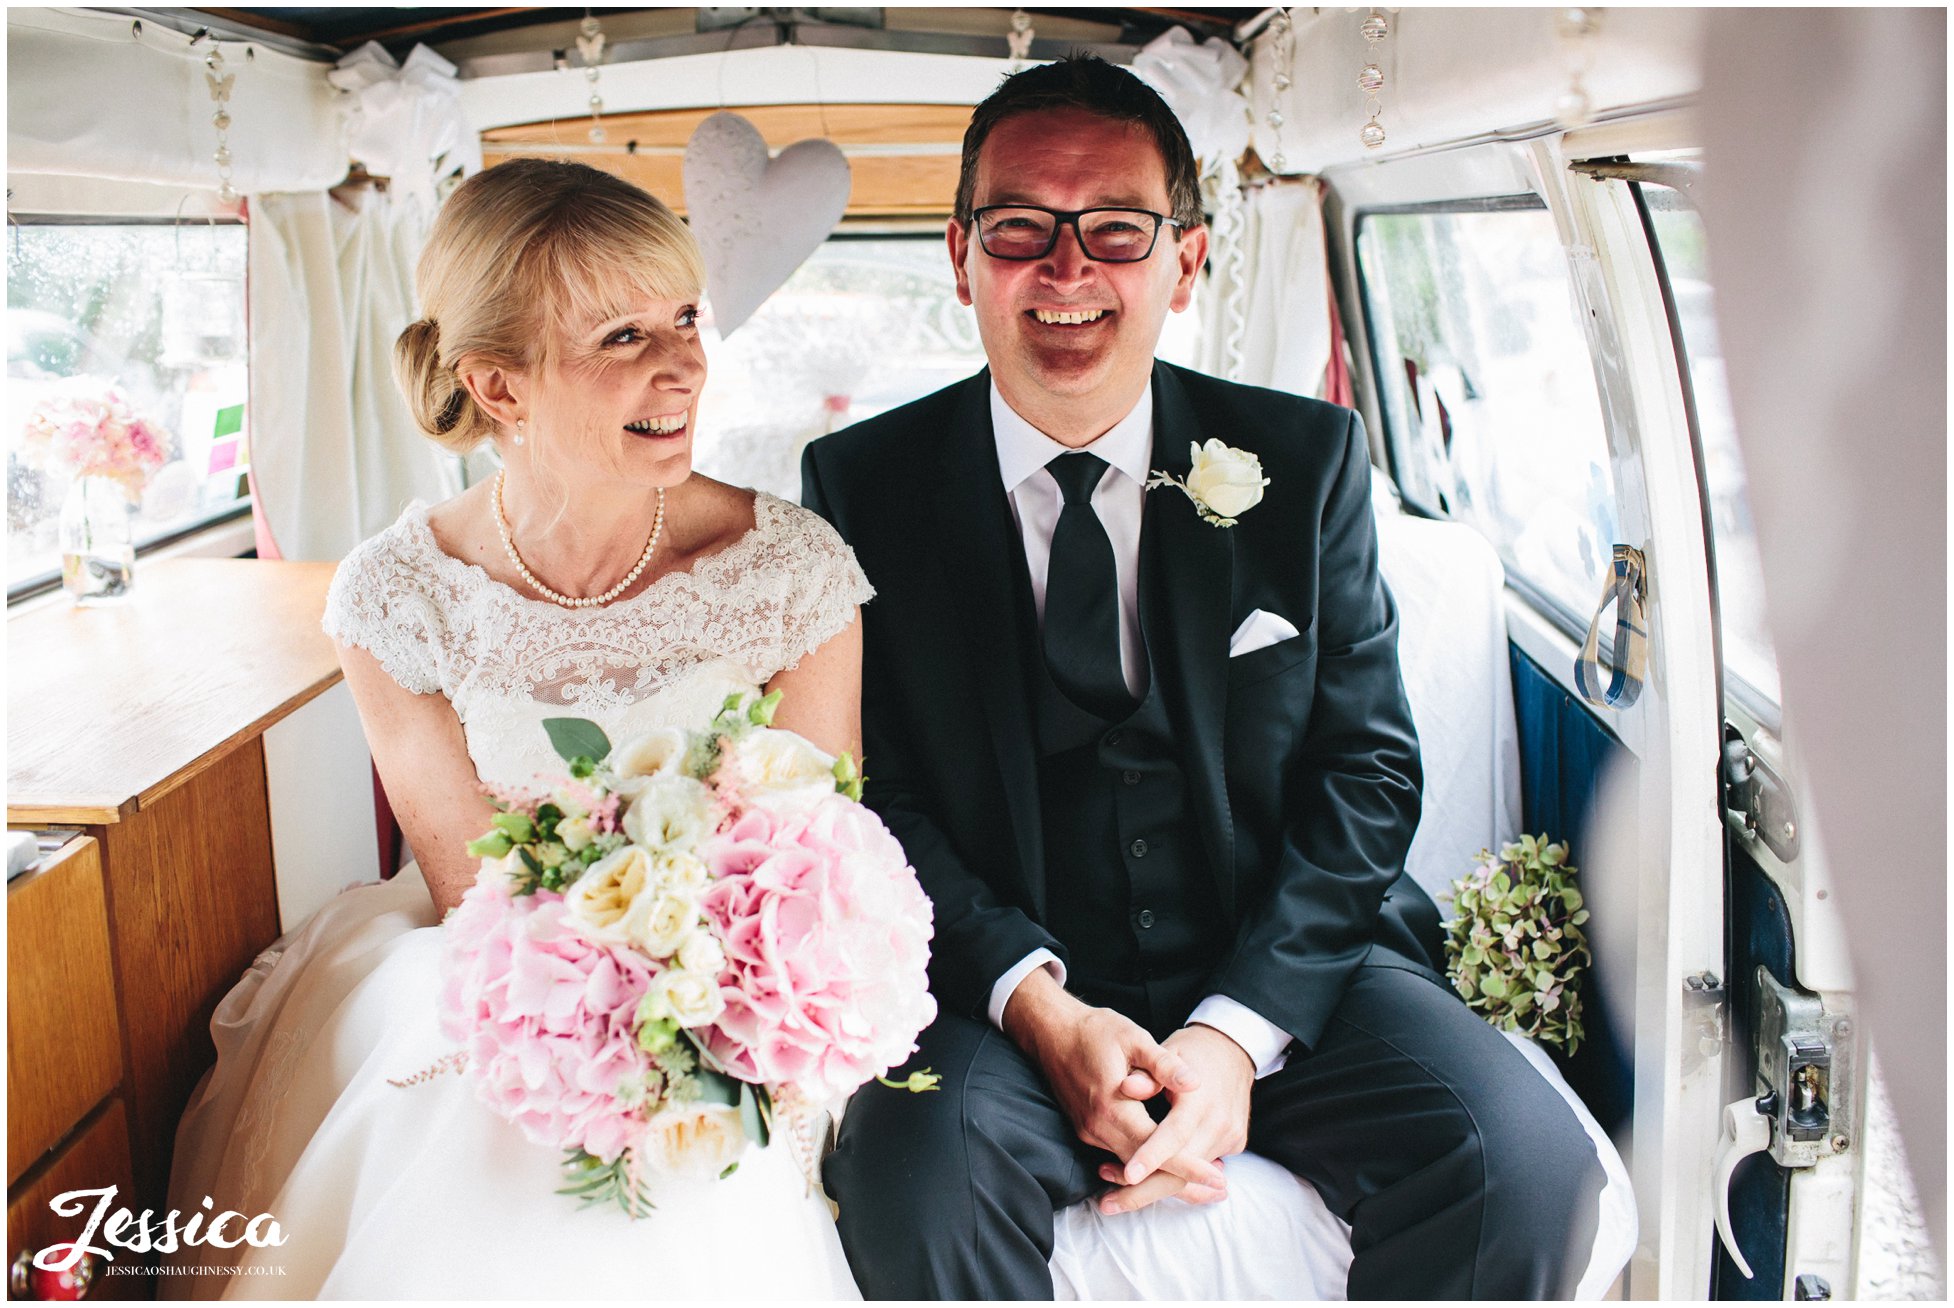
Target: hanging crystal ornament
[(1370, 79), (590, 44), (1283, 33), (1019, 37), (1577, 28), (220, 83)]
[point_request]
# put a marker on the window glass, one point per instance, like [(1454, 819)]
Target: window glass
[(1487, 390), (156, 310), (1747, 652), (865, 325)]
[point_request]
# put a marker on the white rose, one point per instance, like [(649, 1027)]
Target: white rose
[(611, 898), (1228, 481), (575, 833), (702, 954), (687, 997), (778, 765), (665, 924), (698, 1140), (670, 813)]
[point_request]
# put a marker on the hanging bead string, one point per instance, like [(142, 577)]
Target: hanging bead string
[(220, 83), (590, 44), (1019, 38), (1577, 29), (1370, 78), (1284, 31)]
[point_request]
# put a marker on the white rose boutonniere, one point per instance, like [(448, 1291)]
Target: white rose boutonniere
[(1224, 482)]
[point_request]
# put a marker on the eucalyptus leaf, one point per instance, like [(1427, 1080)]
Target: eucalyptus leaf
[(717, 1088), (751, 1116), (574, 738)]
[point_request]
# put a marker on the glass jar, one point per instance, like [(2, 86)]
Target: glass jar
[(98, 553)]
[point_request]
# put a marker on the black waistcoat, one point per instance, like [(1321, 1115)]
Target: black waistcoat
[(1129, 889)]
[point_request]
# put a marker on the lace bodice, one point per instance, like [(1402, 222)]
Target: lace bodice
[(667, 656)]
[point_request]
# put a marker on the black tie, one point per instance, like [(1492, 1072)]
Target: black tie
[(1082, 596)]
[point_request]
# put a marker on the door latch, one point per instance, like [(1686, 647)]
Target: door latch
[(1803, 1092), (1757, 805)]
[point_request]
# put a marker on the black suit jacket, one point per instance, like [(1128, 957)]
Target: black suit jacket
[(1301, 761)]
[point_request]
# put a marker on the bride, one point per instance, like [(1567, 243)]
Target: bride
[(596, 577)]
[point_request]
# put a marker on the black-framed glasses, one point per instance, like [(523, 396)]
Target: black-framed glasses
[(1029, 231)]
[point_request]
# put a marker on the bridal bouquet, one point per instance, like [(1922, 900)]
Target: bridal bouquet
[(694, 937)]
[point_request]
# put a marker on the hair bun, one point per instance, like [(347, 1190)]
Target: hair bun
[(433, 392)]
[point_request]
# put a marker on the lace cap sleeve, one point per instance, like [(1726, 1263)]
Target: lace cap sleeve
[(829, 584), (382, 601)]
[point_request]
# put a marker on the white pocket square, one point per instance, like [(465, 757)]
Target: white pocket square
[(1259, 630)]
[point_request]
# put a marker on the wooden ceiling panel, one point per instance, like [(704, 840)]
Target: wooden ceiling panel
[(903, 158)]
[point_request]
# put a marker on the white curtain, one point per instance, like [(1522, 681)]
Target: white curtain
[(105, 95), (1825, 143), (335, 454), (1269, 303)]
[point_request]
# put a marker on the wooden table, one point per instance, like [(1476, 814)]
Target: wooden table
[(140, 725)]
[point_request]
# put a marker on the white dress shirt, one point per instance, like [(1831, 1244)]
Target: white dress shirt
[(1022, 453)]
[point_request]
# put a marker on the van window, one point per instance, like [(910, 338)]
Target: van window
[(1747, 655), (156, 309), (864, 325), (1487, 391)]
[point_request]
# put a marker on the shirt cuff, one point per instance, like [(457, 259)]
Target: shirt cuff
[(1006, 984), (1266, 1044)]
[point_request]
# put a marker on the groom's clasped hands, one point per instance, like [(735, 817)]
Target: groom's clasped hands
[(1103, 1066)]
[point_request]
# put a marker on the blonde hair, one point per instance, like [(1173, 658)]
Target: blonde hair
[(519, 252)]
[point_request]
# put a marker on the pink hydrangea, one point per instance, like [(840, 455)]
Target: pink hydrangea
[(826, 934), (544, 1016)]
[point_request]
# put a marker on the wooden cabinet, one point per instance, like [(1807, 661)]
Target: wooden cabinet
[(64, 1039), (141, 727)]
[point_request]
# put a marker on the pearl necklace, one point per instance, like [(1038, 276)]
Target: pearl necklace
[(575, 601)]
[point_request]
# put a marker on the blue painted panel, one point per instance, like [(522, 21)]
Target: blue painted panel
[(1563, 752)]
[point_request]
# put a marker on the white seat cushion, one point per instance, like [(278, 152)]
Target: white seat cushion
[(1273, 1238)]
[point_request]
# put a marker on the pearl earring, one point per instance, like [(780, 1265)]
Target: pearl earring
[(518, 431)]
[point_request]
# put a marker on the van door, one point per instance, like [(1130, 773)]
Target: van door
[(1515, 358), (1796, 1081)]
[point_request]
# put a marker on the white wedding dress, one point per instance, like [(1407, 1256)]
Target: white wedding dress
[(387, 1190)]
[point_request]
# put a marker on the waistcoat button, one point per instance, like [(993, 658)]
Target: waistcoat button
[(1144, 918), (1130, 777), (1138, 848)]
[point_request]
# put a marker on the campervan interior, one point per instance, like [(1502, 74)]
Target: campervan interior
[(1644, 314)]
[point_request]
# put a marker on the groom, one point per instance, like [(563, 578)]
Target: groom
[(1157, 774)]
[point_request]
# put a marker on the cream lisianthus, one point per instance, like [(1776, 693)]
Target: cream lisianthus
[(670, 814), (769, 765), (647, 758), (681, 873), (1223, 482), (666, 924), (614, 896), (698, 1140), (687, 997)]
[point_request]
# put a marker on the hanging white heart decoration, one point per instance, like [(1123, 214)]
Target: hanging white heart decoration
[(757, 219)]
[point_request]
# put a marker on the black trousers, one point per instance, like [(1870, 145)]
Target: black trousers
[(1461, 1172)]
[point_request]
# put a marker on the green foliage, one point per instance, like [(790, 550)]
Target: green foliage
[(1516, 950), (592, 1181), (577, 739)]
